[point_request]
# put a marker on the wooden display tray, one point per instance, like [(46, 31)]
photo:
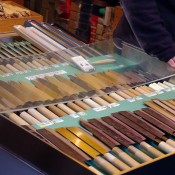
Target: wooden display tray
[(6, 25)]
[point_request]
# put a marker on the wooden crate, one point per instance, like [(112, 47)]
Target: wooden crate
[(6, 25)]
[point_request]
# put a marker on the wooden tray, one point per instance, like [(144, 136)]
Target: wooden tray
[(6, 25)]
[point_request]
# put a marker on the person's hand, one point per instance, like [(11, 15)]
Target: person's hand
[(171, 62)]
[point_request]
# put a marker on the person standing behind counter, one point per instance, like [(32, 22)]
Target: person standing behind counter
[(150, 25)]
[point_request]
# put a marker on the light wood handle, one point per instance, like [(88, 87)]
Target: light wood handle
[(94, 170), (37, 115), (116, 162), (82, 105), (47, 113), (28, 118), (109, 99), (165, 147), (38, 65), (13, 69), (18, 66), (107, 61), (135, 92), (100, 101), (125, 157), (171, 142), (141, 90), (75, 107), (57, 111), (139, 154), (91, 103), (168, 84), (116, 96), (4, 69), (106, 166), (66, 109), (129, 93), (124, 95), (31, 65), (17, 119), (153, 151)]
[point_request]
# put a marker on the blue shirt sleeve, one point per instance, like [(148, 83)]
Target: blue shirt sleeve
[(148, 27)]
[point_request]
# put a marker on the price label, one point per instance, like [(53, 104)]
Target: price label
[(57, 120), (138, 98), (113, 105), (74, 115), (82, 114), (45, 124), (131, 99), (101, 108)]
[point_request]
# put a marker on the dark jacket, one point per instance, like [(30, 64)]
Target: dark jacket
[(149, 24)]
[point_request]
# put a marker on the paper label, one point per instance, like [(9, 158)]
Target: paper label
[(167, 89), (55, 65), (101, 108), (7, 75), (65, 64), (138, 98), (50, 74), (173, 87), (159, 92), (151, 94), (57, 120), (43, 68), (44, 124), (74, 115), (18, 72), (113, 105), (82, 64), (131, 99), (82, 114)]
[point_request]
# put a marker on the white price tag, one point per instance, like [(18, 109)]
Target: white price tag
[(101, 108), (74, 115), (50, 74), (159, 92), (82, 64), (57, 120), (167, 89), (82, 113), (113, 105), (44, 124), (151, 94), (138, 98), (131, 99)]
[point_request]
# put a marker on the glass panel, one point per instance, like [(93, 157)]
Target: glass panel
[(52, 77)]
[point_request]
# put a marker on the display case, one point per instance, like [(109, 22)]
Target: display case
[(47, 92)]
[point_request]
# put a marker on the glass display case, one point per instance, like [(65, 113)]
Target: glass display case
[(37, 75), (45, 92)]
